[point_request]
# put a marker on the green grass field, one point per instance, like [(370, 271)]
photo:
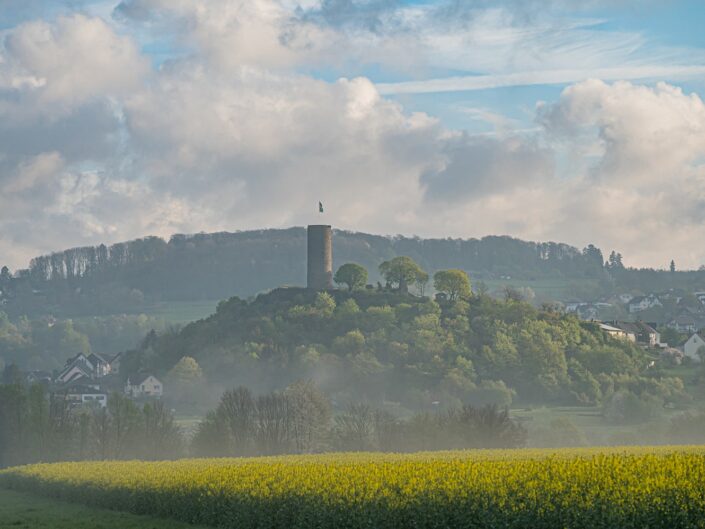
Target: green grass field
[(181, 311), (25, 510), (549, 289)]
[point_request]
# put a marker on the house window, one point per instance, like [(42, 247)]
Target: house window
[(142, 387), (156, 387)]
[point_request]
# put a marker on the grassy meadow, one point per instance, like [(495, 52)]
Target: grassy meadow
[(24, 510), (567, 488)]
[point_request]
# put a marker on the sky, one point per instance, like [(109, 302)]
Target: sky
[(572, 121)]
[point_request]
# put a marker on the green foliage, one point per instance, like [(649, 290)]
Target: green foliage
[(36, 426), (375, 346), (453, 283), (352, 275), (401, 272), (45, 344)]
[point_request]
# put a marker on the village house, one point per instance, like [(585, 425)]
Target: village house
[(83, 392), (115, 363), (692, 347), (625, 298), (81, 366), (686, 322), (75, 368), (616, 332), (86, 395), (144, 386), (641, 303), (640, 332)]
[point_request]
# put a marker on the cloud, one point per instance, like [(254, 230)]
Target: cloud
[(98, 145), (647, 182), (475, 167), (541, 77), (69, 62)]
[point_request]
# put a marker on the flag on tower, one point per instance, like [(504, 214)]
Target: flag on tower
[(320, 207)]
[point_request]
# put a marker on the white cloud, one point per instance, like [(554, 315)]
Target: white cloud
[(97, 146), (69, 62), (540, 77)]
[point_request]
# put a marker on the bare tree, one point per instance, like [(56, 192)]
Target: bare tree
[(273, 423), (354, 428), (237, 409)]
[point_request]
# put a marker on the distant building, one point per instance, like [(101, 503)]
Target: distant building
[(39, 377), (584, 310), (686, 322), (92, 366), (115, 363), (83, 392), (75, 368), (640, 332), (101, 367), (90, 396), (144, 386), (693, 345), (625, 298), (616, 332), (641, 303)]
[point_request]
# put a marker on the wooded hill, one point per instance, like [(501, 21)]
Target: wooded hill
[(125, 277), (389, 346)]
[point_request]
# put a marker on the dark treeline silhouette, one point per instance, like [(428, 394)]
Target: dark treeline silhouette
[(299, 420), (124, 276), (36, 426)]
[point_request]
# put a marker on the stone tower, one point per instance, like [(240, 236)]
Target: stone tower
[(319, 270)]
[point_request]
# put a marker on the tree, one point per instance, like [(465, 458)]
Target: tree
[(324, 305), (454, 283), (182, 382), (162, 437), (351, 274), (420, 282), (5, 280), (401, 272), (310, 414), (615, 261), (593, 255), (185, 372), (237, 410)]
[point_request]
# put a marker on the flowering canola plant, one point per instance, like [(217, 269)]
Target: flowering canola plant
[(622, 488)]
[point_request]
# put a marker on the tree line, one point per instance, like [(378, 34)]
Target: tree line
[(126, 276), (36, 426), (299, 420)]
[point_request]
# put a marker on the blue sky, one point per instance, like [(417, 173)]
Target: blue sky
[(576, 121)]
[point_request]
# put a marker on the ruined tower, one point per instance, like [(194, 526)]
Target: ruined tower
[(319, 271)]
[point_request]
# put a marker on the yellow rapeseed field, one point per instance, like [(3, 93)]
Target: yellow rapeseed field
[(612, 488)]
